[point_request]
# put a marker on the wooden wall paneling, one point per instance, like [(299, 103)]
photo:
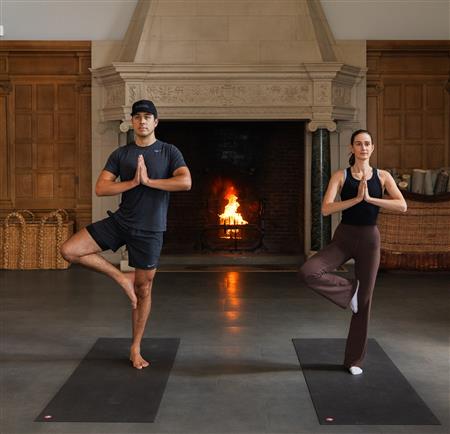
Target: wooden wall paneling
[(437, 119), (48, 162), (410, 115), (4, 161), (43, 64), (44, 187), (373, 101), (22, 141), (84, 179), (7, 160), (392, 125), (66, 114), (3, 63), (23, 97)]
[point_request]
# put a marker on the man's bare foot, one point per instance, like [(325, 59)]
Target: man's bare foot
[(138, 361), (127, 285)]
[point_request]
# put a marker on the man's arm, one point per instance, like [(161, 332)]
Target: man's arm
[(180, 180), (107, 186)]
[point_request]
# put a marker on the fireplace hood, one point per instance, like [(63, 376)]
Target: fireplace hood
[(197, 59)]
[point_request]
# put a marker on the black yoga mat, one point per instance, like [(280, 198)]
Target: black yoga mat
[(106, 388), (381, 395)]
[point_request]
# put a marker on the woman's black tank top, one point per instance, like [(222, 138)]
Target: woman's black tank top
[(362, 213)]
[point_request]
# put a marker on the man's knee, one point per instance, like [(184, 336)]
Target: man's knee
[(143, 289), (78, 245), (68, 252)]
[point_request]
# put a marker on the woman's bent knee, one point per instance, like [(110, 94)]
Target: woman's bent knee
[(301, 274), (305, 273)]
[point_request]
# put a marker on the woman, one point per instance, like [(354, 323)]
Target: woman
[(361, 189)]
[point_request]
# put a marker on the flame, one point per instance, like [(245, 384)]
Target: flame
[(230, 216)]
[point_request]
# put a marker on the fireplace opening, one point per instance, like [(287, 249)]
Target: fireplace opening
[(247, 187), (234, 221)]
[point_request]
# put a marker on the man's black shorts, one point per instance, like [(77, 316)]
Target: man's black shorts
[(144, 247)]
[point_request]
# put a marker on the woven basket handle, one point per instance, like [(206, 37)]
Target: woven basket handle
[(30, 214), (59, 215), (22, 223), (64, 214)]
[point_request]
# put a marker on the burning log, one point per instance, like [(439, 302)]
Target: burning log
[(231, 217)]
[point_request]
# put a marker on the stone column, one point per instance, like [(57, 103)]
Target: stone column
[(320, 176)]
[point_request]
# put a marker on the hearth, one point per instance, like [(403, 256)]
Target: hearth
[(247, 193), (233, 224)]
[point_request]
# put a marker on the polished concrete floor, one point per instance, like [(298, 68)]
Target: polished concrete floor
[(236, 370)]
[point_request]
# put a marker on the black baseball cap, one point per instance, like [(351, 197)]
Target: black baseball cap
[(144, 105)]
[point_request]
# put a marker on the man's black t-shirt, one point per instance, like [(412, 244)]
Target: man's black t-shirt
[(142, 207)]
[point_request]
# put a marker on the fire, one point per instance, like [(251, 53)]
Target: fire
[(230, 216)]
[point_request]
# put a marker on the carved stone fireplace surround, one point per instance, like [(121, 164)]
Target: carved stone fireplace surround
[(318, 92), (325, 93)]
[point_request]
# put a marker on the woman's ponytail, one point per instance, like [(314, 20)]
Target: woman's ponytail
[(351, 160)]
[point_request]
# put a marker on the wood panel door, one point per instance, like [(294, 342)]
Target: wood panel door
[(48, 119), (414, 124), (408, 103), (45, 144)]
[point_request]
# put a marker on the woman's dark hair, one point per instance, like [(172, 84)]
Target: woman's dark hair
[(351, 160)]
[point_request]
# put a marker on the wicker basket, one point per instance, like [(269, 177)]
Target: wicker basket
[(27, 244), (418, 239)]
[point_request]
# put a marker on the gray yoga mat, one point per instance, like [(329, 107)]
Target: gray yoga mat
[(106, 388), (381, 395)]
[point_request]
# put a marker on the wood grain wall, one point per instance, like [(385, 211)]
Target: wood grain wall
[(45, 134), (408, 104)]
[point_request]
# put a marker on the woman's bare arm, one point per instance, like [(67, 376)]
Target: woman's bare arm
[(396, 201), (329, 203)]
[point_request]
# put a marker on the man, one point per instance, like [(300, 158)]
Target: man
[(148, 170)]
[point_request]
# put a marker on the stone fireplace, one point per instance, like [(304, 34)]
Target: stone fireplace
[(223, 72)]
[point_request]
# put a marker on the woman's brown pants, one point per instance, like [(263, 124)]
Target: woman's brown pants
[(349, 241)]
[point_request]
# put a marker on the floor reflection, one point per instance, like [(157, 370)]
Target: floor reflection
[(232, 292)]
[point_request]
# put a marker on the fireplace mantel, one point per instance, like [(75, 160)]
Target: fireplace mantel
[(319, 92)]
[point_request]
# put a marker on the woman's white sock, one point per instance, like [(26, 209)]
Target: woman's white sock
[(354, 300), (355, 370)]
